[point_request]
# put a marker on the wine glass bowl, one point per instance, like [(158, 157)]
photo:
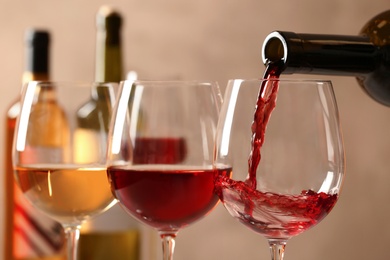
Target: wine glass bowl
[(59, 154), (160, 157), (289, 178)]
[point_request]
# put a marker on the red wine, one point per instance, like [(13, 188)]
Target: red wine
[(273, 215), (165, 198), (150, 150), (266, 102)]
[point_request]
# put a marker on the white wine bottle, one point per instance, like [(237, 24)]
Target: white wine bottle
[(29, 234), (113, 235)]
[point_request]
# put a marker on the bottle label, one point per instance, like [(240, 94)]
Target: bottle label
[(35, 234)]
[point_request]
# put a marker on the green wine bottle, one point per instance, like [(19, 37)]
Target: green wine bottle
[(114, 234)]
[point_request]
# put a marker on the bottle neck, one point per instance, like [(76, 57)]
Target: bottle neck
[(322, 54), (47, 94), (30, 76), (37, 56), (103, 93), (108, 48)]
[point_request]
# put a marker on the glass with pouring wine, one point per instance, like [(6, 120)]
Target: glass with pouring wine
[(282, 139), (160, 154)]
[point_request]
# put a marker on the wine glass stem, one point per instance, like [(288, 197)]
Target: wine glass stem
[(72, 238), (277, 248), (168, 245)]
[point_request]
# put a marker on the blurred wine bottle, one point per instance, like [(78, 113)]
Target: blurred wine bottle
[(113, 235), (28, 234)]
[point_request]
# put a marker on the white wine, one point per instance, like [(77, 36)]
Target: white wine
[(66, 194)]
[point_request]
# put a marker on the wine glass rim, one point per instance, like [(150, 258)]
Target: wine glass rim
[(171, 82), (293, 80), (69, 83)]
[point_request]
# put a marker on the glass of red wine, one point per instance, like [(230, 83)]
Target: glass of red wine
[(160, 153), (282, 139)]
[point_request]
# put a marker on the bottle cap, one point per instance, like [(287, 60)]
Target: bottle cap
[(37, 43), (37, 37), (108, 18)]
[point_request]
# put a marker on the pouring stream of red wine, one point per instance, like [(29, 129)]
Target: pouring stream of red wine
[(266, 102)]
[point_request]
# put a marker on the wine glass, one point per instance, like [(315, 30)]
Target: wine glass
[(282, 140), (160, 155), (59, 153)]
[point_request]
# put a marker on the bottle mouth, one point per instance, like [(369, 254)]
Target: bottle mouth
[(274, 48)]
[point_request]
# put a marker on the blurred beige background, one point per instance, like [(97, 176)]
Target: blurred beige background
[(218, 40)]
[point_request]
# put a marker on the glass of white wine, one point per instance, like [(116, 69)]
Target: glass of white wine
[(59, 151)]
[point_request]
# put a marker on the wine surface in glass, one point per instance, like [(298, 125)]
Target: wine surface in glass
[(273, 215), (165, 197), (66, 194)]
